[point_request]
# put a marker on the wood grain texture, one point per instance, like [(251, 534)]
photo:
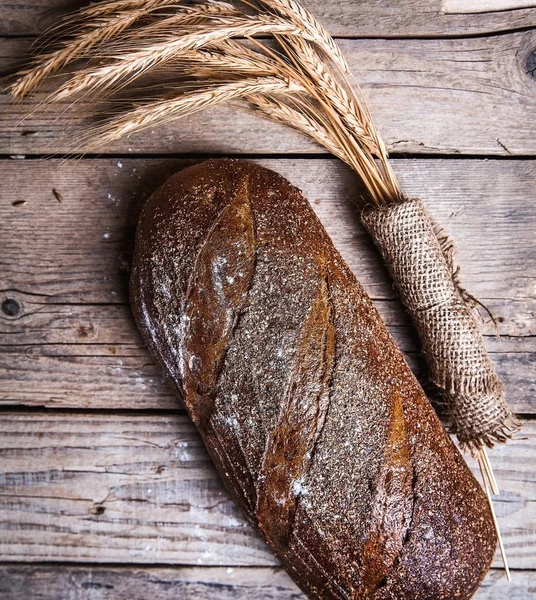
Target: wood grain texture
[(74, 343), (45, 322), (142, 489), (404, 18), (468, 7), (139, 488), (78, 250), (439, 96), (91, 356), (19, 582)]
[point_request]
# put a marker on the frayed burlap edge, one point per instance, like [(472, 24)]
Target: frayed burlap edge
[(421, 259)]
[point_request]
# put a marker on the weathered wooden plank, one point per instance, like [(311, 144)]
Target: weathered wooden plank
[(141, 489), (124, 376), (91, 356), (79, 376), (469, 7), (78, 250), (88, 376), (63, 349), (186, 583), (40, 322), (14, 54), (346, 18), (440, 96)]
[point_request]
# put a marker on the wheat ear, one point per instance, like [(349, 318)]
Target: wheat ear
[(303, 117), (113, 6), (227, 58), (169, 25), (153, 113), (97, 33), (133, 64), (55, 61), (304, 19)]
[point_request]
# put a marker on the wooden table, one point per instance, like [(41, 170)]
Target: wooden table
[(105, 488)]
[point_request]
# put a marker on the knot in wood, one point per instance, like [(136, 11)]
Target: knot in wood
[(10, 307)]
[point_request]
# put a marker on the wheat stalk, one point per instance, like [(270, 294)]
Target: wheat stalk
[(354, 115), (339, 104)]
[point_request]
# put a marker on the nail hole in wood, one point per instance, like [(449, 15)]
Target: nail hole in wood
[(95, 585), (10, 307)]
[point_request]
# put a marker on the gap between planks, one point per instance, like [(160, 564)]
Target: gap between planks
[(343, 18), (49, 582)]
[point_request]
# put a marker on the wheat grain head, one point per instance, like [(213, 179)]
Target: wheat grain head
[(200, 45)]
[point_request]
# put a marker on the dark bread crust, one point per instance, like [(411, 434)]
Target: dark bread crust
[(315, 422)]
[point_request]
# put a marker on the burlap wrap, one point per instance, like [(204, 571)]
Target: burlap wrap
[(420, 257)]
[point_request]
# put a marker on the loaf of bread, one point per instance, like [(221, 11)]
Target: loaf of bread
[(315, 422)]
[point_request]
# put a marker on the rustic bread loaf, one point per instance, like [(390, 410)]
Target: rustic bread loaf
[(314, 420)]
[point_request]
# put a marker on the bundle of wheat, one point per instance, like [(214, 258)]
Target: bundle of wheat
[(208, 47)]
